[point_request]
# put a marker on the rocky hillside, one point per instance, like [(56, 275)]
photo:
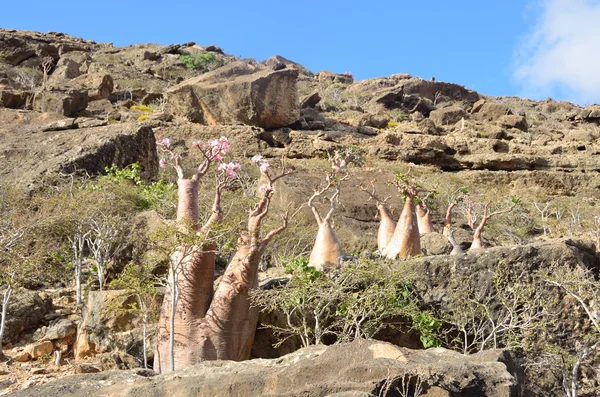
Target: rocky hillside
[(71, 107)]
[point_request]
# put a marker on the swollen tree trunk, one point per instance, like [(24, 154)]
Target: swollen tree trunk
[(424, 220), (387, 225), (406, 241), (5, 300), (327, 249), (227, 330), (190, 287)]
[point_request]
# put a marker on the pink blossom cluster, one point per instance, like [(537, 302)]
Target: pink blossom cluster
[(216, 148), (165, 145), (265, 188), (263, 165), (229, 169)]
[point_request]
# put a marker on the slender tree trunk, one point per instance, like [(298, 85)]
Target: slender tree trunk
[(477, 242), (5, 300), (78, 266), (456, 248), (448, 219), (387, 225), (144, 310), (327, 249), (406, 241), (424, 220)]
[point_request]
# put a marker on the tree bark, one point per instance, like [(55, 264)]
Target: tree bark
[(195, 268), (424, 220), (406, 241), (227, 331), (448, 219), (327, 248), (387, 225), (5, 300)]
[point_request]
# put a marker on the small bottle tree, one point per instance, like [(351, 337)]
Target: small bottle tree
[(424, 207), (406, 241), (327, 249), (485, 217), (387, 225)]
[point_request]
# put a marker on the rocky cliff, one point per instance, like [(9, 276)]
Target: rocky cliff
[(70, 106)]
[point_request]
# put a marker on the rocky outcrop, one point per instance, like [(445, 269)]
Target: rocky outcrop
[(64, 102), (107, 327), (26, 312), (29, 155), (362, 367), (239, 92)]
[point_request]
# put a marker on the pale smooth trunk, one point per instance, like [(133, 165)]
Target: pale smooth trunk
[(477, 242), (327, 249), (5, 300), (387, 225), (424, 221), (406, 241)]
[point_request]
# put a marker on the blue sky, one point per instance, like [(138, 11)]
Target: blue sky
[(510, 47)]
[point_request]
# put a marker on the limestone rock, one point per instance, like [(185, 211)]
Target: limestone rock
[(14, 98), (103, 330), (61, 329), (66, 103), (39, 349), (514, 121), (435, 244), (360, 368), (88, 149), (239, 92), (448, 115), (491, 111)]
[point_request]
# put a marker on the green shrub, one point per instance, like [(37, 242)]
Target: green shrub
[(204, 62), (356, 301), (142, 117)]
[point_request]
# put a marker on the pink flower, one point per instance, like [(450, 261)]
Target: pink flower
[(162, 163), (166, 142), (229, 169), (224, 143), (264, 167), (218, 157), (257, 159), (265, 188)]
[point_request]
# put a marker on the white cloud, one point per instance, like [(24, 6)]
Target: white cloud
[(560, 58)]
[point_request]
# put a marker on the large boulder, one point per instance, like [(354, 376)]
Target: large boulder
[(448, 115), (67, 102), (239, 93), (25, 313), (360, 368), (107, 327), (14, 98)]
